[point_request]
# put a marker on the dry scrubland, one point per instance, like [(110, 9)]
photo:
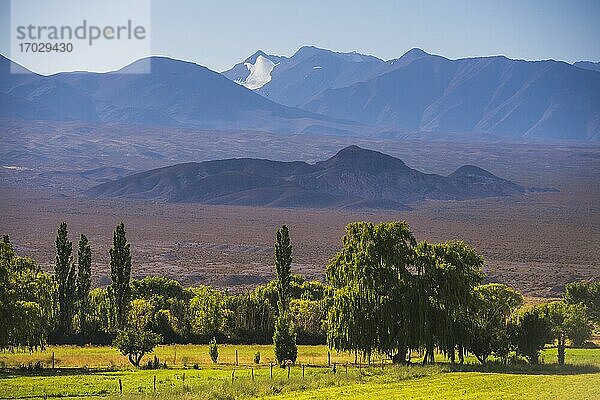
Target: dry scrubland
[(105, 366), (535, 243)]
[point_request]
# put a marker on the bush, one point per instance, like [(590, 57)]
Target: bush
[(257, 357), (213, 350), (154, 364)]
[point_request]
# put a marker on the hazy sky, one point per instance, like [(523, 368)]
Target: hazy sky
[(220, 33)]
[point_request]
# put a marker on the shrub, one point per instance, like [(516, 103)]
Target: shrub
[(213, 350), (154, 364)]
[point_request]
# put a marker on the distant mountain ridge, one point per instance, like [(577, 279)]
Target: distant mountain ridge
[(590, 65), (421, 92), (318, 91), (353, 178), (174, 93)]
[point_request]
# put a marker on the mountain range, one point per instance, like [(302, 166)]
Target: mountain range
[(353, 178), (421, 92), (175, 93), (318, 91)]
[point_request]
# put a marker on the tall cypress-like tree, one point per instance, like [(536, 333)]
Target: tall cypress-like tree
[(284, 337), (120, 274), (84, 280), (64, 273)]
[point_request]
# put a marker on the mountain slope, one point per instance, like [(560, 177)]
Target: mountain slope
[(592, 66), (174, 93), (496, 95), (295, 80), (354, 177)]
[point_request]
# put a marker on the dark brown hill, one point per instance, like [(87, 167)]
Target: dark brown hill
[(353, 178)]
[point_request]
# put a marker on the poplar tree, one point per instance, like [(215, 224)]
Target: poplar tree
[(120, 274), (64, 274), (84, 280), (284, 337)]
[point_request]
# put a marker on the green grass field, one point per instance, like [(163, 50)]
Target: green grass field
[(95, 372)]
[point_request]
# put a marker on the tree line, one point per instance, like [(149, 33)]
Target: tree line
[(385, 294)]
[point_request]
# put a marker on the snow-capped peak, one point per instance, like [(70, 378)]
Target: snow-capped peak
[(260, 73)]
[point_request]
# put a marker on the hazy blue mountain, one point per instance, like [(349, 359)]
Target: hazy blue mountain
[(592, 66), (497, 95), (257, 68), (353, 178), (174, 93), (295, 80)]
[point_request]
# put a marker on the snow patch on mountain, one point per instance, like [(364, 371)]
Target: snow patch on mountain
[(260, 73)]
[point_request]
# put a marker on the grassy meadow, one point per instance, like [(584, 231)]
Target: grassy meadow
[(95, 372)]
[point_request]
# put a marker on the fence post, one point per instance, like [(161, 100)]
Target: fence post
[(52, 360), (289, 368), (236, 357), (120, 386), (303, 370), (232, 374), (252, 373), (328, 358), (155, 383), (271, 366)]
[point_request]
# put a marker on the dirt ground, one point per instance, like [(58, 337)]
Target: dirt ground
[(536, 242)]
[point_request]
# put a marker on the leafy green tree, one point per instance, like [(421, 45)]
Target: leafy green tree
[(284, 337), (578, 327), (99, 312), (120, 274), (171, 303), (566, 321), (207, 312), (308, 317), (283, 264), (26, 301), (84, 280), (372, 306), (213, 350), (135, 344), (586, 293), (140, 315), (446, 275), (488, 318), (529, 334), (64, 273)]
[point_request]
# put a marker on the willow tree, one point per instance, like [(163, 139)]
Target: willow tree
[(446, 274), (370, 307), (26, 301)]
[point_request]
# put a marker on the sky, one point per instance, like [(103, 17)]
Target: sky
[(219, 34)]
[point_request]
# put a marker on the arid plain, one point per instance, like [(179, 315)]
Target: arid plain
[(536, 242)]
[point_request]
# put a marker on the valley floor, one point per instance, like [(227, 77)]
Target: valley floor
[(96, 371)]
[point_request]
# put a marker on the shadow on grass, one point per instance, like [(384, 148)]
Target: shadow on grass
[(8, 373), (527, 369)]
